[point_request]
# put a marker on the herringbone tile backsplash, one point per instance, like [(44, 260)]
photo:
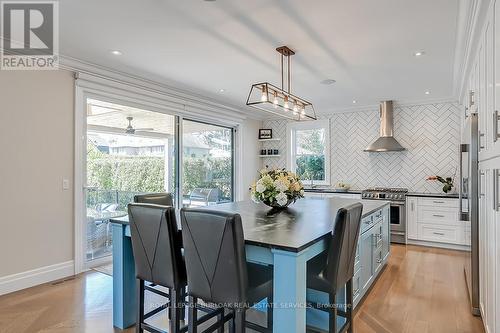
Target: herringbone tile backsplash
[(430, 133)]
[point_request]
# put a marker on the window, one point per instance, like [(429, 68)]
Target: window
[(309, 144)]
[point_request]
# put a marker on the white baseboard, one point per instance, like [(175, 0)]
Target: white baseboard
[(438, 244), (23, 280)]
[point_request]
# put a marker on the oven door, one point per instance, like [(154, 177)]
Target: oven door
[(398, 222)]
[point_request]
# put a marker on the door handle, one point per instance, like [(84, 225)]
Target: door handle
[(438, 233), (437, 215), (412, 206), (438, 202)]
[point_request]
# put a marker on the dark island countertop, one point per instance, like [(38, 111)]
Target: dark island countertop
[(294, 229), (433, 195)]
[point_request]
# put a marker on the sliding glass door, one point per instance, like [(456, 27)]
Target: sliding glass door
[(132, 151), (207, 164), (129, 151)]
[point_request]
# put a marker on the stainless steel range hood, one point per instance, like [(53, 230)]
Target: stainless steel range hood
[(386, 141)]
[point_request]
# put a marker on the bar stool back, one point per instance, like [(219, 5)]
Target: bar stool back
[(334, 269), (158, 259)]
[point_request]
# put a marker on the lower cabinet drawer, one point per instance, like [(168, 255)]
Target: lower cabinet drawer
[(437, 216), (438, 202), (441, 233)]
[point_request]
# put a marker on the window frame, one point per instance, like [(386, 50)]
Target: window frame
[(291, 146)]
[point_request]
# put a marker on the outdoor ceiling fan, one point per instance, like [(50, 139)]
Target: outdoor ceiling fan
[(131, 130)]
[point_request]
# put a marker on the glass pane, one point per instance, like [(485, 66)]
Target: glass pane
[(310, 154), (207, 169), (310, 142), (129, 151)]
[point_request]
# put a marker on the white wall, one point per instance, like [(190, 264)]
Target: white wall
[(251, 163), (36, 145), (429, 132)]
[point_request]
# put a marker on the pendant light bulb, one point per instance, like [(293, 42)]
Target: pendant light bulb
[(286, 106), (295, 108), (275, 101), (263, 98)]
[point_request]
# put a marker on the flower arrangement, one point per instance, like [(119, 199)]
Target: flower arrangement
[(277, 188), (448, 182)]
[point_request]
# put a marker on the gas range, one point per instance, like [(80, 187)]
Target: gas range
[(382, 193), (397, 199)]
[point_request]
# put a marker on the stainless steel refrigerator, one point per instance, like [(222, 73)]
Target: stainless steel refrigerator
[(469, 204)]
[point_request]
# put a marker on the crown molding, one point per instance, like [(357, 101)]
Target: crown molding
[(372, 107), (83, 68), (470, 24)]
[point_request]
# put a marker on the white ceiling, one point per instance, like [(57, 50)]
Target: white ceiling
[(367, 46)]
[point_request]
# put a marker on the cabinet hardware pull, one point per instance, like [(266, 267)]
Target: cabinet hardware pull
[(379, 261), (438, 202), (496, 118), (412, 206), (437, 215), (481, 145), (496, 176), (438, 233)]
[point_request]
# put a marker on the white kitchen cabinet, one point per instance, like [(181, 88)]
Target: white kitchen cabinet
[(411, 218), (493, 113), (489, 244), (434, 222)]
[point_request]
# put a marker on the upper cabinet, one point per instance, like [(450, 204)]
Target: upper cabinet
[(484, 85), (493, 113)]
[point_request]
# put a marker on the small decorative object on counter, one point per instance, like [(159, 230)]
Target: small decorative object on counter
[(447, 182), (269, 152), (263, 151), (265, 133), (276, 152), (342, 187), (277, 188)]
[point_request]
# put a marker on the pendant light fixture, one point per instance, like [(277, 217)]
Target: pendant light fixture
[(278, 101)]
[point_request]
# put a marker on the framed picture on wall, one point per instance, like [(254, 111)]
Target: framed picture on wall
[(265, 133)]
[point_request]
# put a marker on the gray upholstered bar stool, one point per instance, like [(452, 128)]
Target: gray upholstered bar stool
[(334, 269), (158, 259), (163, 199), (217, 270)]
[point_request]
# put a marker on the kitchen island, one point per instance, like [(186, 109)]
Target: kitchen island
[(284, 240)]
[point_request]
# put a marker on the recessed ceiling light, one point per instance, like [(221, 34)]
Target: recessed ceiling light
[(328, 81), (427, 92), (354, 102), (419, 53), (221, 91), (116, 52)]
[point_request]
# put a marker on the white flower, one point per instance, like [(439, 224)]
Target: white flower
[(280, 185), (301, 192), (260, 187), (281, 199)]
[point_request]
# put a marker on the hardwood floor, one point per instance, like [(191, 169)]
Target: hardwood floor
[(421, 290)]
